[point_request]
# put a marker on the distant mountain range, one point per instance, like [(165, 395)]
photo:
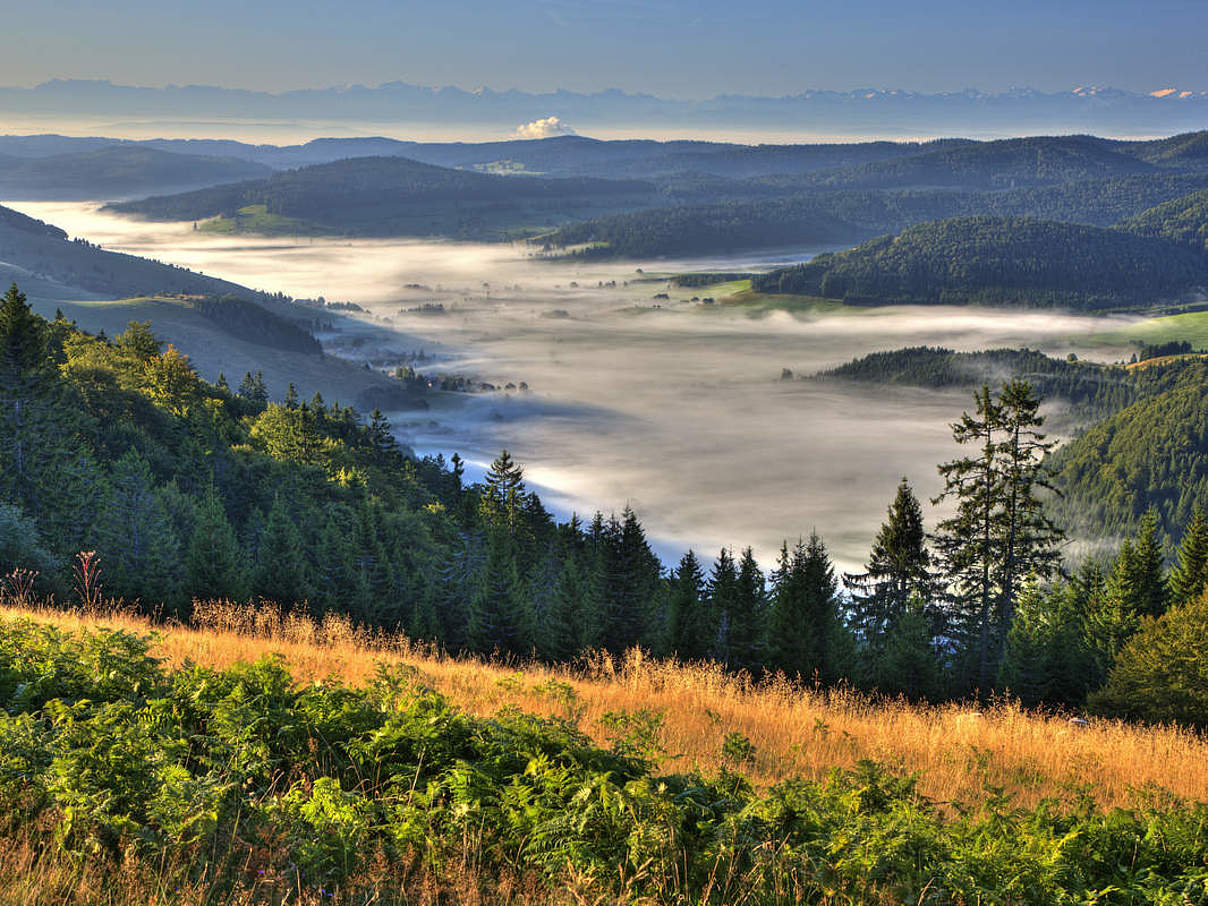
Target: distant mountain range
[(1109, 111)]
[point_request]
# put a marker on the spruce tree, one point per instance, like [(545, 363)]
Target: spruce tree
[(906, 663), (804, 610), (1138, 577), (690, 633), (999, 534), (45, 468), (748, 617), (498, 618), (1190, 573), (631, 585), (968, 542), (281, 572), (137, 545), (1029, 538), (898, 569), (214, 563), (722, 592)]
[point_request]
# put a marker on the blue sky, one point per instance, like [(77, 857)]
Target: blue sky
[(676, 49)]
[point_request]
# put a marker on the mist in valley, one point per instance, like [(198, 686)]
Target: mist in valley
[(676, 408)]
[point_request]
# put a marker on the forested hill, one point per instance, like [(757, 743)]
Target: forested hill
[(992, 165), (395, 196), (117, 171), (838, 216), (30, 248), (1000, 260), (1097, 390), (1153, 453), (1182, 219)]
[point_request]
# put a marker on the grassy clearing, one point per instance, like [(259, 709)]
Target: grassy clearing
[(957, 750), (255, 218), (1191, 326)]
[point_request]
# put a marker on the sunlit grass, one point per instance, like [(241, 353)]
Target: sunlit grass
[(958, 750)]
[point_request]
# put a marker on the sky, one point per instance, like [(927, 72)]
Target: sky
[(664, 47)]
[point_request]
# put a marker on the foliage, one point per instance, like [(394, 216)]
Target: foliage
[(241, 783)]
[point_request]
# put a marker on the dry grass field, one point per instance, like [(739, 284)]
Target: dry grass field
[(956, 750)]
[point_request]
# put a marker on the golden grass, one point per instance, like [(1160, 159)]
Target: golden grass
[(956, 749)]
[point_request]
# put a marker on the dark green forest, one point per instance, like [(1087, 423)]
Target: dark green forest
[(999, 260)]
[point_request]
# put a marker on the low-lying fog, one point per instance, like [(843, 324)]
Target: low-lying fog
[(678, 410)]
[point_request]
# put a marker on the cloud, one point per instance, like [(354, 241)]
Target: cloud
[(545, 128)]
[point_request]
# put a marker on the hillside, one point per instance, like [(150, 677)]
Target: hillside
[(1000, 260), (1153, 453), (1182, 219), (1003, 164), (384, 196), (30, 248), (796, 218), (117, 171)]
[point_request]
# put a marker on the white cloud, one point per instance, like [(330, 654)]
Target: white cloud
[(544, 128)]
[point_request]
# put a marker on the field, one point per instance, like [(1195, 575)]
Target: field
[(255, 218), (957, 750), (1189, 326)]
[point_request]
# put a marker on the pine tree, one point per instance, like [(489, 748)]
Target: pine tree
[(747, 620), (281, 572), (898, 569), (631, 584), (45, 468), (136, 541), (907, 663), (1190, 573), (1138, 576), (804, 610), (722, 592), (1029, 538), (999, 534), (498, 618), (214, 564), (690, 632)]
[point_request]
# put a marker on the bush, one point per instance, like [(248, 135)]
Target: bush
[(1162, 673)]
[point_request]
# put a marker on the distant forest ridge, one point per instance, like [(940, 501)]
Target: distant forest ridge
[(1000, 260)]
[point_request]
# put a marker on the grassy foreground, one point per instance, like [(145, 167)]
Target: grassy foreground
[(359, 768)]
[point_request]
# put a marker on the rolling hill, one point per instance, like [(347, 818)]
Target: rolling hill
[(1000, 260), (1181, 220), (393, 196)]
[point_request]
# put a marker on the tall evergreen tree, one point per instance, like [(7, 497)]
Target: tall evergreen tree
[(804, 610), (1029, 538), (1190, 573), (722, 592), (45, 468), (138, 547), (498, 612), (281, 572), (690, 631), (1138, 578), (747, 624), (999, 534), (898, 569), (631, 583), (214, 563), (906, 662), (967, 542)]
